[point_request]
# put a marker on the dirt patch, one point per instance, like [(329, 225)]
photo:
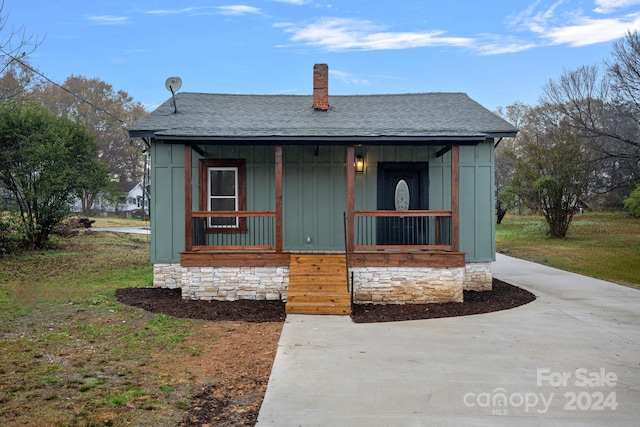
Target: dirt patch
[(230, 372), (238, 343), (241, 344)]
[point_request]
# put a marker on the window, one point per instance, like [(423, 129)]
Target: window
[(222, 188)]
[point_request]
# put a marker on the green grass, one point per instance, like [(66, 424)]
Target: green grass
[(104, 222), (601, 245), (70, 353)]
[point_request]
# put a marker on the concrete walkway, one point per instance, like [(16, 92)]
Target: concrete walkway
[(126, 230), (572, 357)]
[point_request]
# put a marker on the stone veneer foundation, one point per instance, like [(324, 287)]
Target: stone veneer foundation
[(372, 285), (402, 285), (478, 276), (224, 283)]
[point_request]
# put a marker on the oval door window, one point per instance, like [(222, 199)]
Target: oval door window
[(402, 198)]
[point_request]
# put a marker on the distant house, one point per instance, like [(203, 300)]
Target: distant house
[(301, 197), (127, 199)]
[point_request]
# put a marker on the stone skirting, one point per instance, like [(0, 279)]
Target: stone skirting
[(478, 276), (399, 285), (167, 275), (224, 283), (372, 285)]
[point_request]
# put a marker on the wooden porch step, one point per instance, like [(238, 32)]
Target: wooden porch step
[(318, 285)]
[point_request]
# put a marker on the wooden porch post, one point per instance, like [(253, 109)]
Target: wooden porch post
[(350, 197), (188, 198), (278, 198), (455, 198)]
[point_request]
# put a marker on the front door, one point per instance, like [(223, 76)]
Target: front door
[(403, 186)]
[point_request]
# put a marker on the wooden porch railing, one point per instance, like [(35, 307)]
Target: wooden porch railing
[(373, 230), (234, 231), (402, 231)]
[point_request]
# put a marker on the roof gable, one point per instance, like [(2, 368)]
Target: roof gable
[(127, 186), (420, 115)]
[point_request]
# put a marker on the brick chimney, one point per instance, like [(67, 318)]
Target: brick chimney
[(321, 87)]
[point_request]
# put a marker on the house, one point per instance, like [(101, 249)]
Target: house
[(126, 198), (389, 196)]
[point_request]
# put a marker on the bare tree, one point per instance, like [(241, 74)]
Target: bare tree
[(507, 196), (624, 70), (15, 48), (606, 125)]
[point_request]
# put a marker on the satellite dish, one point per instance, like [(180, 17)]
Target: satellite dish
[(173, 84)]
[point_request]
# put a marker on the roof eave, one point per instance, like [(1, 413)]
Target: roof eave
[(325, 139)]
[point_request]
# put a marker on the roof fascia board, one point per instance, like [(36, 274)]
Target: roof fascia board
[(373, 140)]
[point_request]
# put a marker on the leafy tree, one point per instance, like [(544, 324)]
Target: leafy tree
[(44, 160), (106, 113), (632, 203), (552, 173)]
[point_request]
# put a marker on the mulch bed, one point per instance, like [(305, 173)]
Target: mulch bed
[(503, 296), (168, 301)]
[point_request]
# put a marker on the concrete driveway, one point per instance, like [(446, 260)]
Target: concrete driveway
[(572, 357), (126, 230)]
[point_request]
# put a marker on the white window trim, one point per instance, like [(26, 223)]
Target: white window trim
[(236, 195)]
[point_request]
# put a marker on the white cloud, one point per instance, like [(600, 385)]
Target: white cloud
[(222, 10), (608, 6), (502, 46), (183, 11), (535, 21), (295, 2), (571, 26), (348, 78), (237, 10), (109, 19), (590, 31), (341, 34)]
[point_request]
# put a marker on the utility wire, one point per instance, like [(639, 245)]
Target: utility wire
[(24, 64)]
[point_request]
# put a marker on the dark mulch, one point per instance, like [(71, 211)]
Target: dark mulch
[(503, 296), (170, 302)]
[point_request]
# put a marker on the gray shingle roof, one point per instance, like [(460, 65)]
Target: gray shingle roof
[(428, 116)]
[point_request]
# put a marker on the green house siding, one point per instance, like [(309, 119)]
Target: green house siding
[(477, 225), (167, 202), (315, 192), (477, 228), (314, 197)]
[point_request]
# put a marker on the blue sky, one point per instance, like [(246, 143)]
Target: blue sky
[(497, 51)]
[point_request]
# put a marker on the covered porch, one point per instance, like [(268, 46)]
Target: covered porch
[(399, 255), (372, 237)]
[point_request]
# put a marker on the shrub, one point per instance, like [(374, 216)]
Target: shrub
[(10, 235), (632, 203)]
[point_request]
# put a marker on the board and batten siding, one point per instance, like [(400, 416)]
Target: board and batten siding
[(315, 197), (315, 192), (477, 225), (167, 192)]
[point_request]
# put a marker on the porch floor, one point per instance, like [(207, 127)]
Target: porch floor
[(318, 285)]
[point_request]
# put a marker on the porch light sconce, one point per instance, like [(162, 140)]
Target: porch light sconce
[(359, 164)]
